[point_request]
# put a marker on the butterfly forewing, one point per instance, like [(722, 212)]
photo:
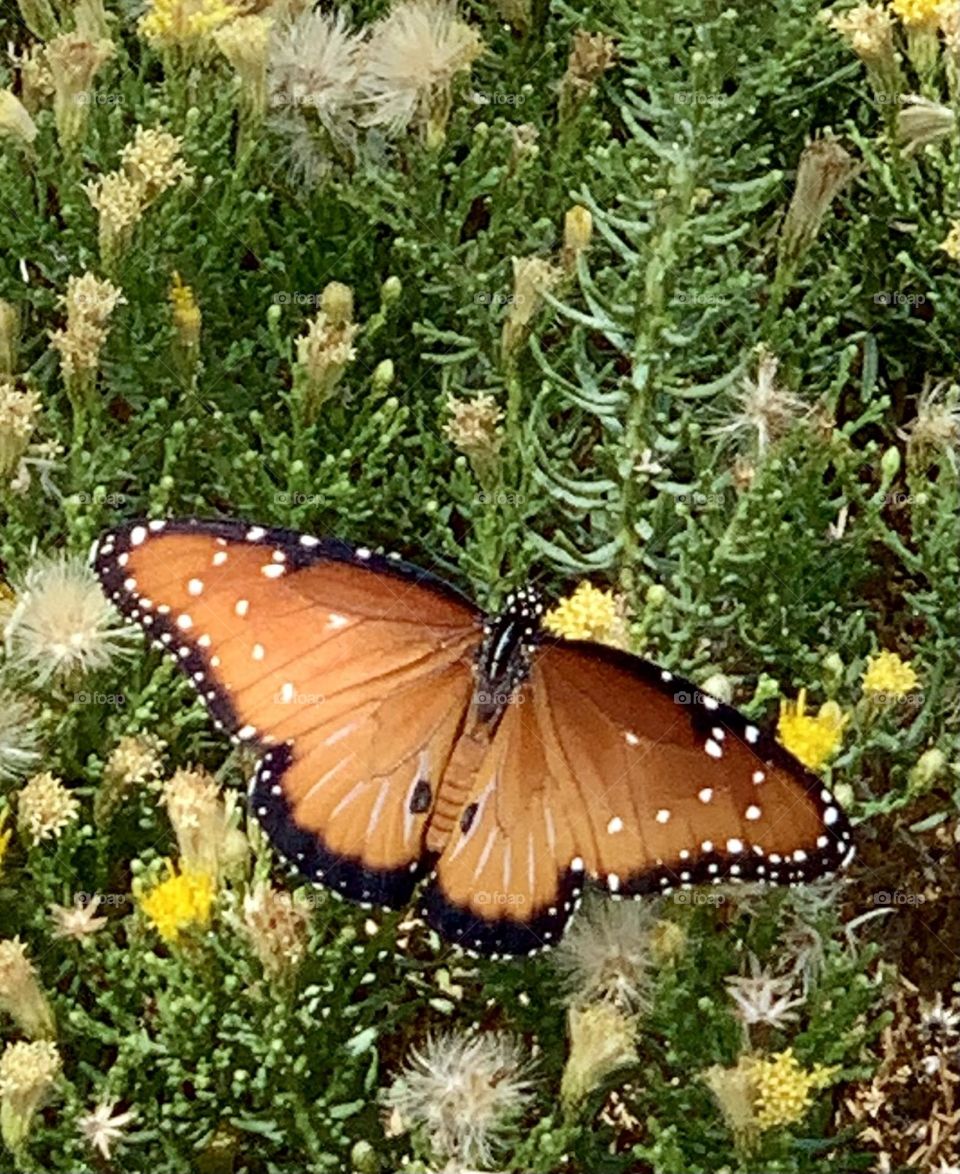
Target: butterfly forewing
[(354, 683)]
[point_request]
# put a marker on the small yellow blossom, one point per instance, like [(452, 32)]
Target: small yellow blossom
[(784, 1089), (917, 13), (587, 614), (887, 675), (186, 314), (181, 902), (186, 24), (951, 243), (812, 739), (5, 834)]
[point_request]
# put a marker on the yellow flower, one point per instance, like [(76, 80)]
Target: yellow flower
[(951, 243), (5, 834), (784, 1090), (814, 740), (918, 13), (587, 614), (184, 22), (887, 675), (186, 313), (181, 902)]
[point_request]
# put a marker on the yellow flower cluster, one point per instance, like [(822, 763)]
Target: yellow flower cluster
[(89, 303), (887, 675), (917, 13), (187, 318), (765, 1092), (5, 834), (184, 23), (18, 417), (181, 902), (784, 1090), (587, 614), (813, 739), (45, 807), (474, 425)]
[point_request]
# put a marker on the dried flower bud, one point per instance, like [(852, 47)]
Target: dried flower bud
[(324, 351), (277, 926), (591, 55), (39, 17), (245, 43), (601, 1041), (74, 61), (474, 426), (15, 120), (20, 994), (532, 278), (9, 339), (577, 231), (824, 170)]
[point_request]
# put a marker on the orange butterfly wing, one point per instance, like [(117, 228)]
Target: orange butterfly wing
[(351, 672), (607, 768)]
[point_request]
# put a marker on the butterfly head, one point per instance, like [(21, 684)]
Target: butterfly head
[(503, 662)]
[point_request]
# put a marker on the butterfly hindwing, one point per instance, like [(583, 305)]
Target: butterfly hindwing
[(607, 769), (507, 882), (675, 787), (349, 672)]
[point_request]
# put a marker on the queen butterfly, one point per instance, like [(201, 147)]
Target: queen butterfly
[(405, 735)]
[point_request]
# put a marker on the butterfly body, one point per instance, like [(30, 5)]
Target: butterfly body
[(405, 737)]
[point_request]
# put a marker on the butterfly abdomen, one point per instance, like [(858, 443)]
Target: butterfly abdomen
[(458, 781)]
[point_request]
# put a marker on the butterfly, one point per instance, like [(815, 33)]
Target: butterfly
[(406, 737)]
